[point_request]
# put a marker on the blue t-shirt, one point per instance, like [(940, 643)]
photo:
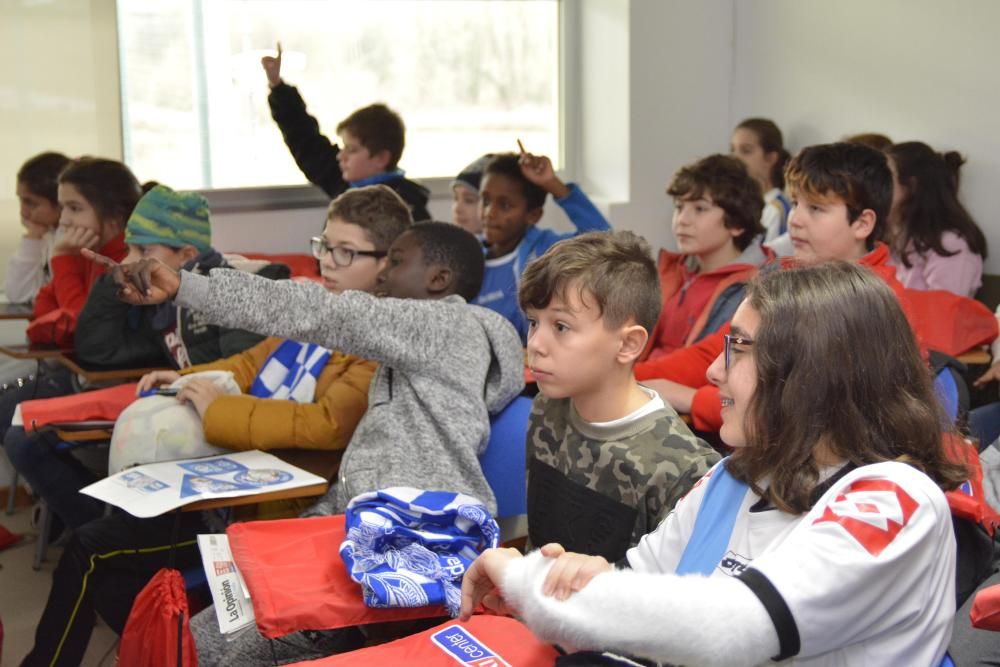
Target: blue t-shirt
[(499, 292)]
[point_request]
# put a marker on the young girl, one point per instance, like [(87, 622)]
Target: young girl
[(758, 143), (935, 242), (716, 224), (37, 182), (96, 196), (840, 546)]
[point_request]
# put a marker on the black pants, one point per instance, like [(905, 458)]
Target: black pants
[(104, 566)]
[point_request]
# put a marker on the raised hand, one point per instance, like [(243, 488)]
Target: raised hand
[(272, 68), (538, 170), (74, 239), (156, 379), (142, 283)]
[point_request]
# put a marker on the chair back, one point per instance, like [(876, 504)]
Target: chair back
[(504, 462)]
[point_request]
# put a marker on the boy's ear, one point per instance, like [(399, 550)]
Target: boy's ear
[(440, 280), (771, 158), (382, 159), (534, 215), (188, 253), (863, 226), (633, 342)]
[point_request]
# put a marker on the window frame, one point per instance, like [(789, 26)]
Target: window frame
[(290, 197)]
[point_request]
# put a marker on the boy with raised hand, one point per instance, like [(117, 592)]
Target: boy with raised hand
[(607, 458), (372, 141), (841, 194), (325, 403), (511, 198), (444, 366)]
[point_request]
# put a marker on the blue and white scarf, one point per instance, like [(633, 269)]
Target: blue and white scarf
[(411, 548), (291, 372)]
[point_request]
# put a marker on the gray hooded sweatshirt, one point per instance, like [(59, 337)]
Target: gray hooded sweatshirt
[(444, 368)]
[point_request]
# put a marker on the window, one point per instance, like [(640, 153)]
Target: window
[(467, 77)]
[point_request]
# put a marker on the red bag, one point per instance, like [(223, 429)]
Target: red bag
[(949, 323), (969, 500), (55, 327), (297, 580), (159, 613), (985, 612), (98, 405), (485, 641)]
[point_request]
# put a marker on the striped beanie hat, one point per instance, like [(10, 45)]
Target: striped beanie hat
[(174, 219)]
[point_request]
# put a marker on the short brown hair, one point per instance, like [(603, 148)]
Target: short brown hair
[(614, 267), (837, 365), (857, 174), (40, 174), (724, 180), (109, 187), (377, 209), (378, 128)]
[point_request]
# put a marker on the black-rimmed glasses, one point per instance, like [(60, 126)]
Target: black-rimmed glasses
[(341, 255), (729, 342)]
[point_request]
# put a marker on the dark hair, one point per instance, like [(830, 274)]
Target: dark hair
[(725, 181), (377, 209), (451, 246), (41, 174), (855, 173), (931, 206), (378, 128), (771, 141), (837, 365), (508, 164), (615, 268), (879, 142), (107, 185)]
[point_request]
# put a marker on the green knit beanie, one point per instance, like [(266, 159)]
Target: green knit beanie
[(174, 219)]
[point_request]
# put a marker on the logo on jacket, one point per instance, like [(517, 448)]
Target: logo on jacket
[(872, 511), (459, 643)]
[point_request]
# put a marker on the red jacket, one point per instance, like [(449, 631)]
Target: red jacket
[(688, 365), (684, 316), (63, 297)]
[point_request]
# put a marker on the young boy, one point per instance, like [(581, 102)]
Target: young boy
[(465, 196), (716, 224), (841, 194), (372, 141), (607, 459), (361, 225), (512, 194)]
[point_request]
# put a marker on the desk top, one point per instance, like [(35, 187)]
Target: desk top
[(310, 491), (25, 351), (16, 311), (975, 357)]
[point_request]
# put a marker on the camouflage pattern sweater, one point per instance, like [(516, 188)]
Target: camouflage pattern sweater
[(596, 489)]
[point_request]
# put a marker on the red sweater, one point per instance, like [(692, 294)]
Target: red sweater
[(72, 278), (688, 365)]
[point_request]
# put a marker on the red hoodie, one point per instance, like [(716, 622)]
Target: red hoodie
[(688, 365), (63, 297)]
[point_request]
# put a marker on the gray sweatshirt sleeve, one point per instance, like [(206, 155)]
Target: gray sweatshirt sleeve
[(406, 334)]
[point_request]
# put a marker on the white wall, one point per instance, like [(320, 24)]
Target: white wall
[(912, 69)]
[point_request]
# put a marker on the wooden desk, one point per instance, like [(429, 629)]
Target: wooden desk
[(99, 377), (16, 311), (975, 357), (25, 351)]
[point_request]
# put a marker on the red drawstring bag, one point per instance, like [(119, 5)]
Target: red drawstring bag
[(157, 633), (97, 405), (487, 641), (949, 323), (297, 580), (985, 612)]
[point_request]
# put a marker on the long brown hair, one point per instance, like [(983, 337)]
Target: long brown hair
[(837, 366)]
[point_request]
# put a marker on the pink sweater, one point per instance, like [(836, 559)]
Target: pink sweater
[(960, 273)]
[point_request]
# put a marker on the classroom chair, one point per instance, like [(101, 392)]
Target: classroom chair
[(505, 467)]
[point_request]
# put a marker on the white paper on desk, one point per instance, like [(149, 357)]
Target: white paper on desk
[(156, 488), (229, 594), (17, 419)]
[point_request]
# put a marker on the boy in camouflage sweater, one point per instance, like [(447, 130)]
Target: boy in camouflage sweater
[(607, 458)]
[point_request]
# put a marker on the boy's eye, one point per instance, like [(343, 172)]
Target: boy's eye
[(561, 327), (532, 323)]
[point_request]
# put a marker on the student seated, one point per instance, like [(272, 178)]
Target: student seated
[(361, 224), (840, 549), (174, 227), (757, 143), (716, 223), (512, 195), (935, 243), (465, 196), (372, 141), (37, 192), (841, 194), (607, 459)]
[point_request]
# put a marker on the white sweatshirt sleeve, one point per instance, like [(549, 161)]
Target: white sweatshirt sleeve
[(26, 270), (665, 617)]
